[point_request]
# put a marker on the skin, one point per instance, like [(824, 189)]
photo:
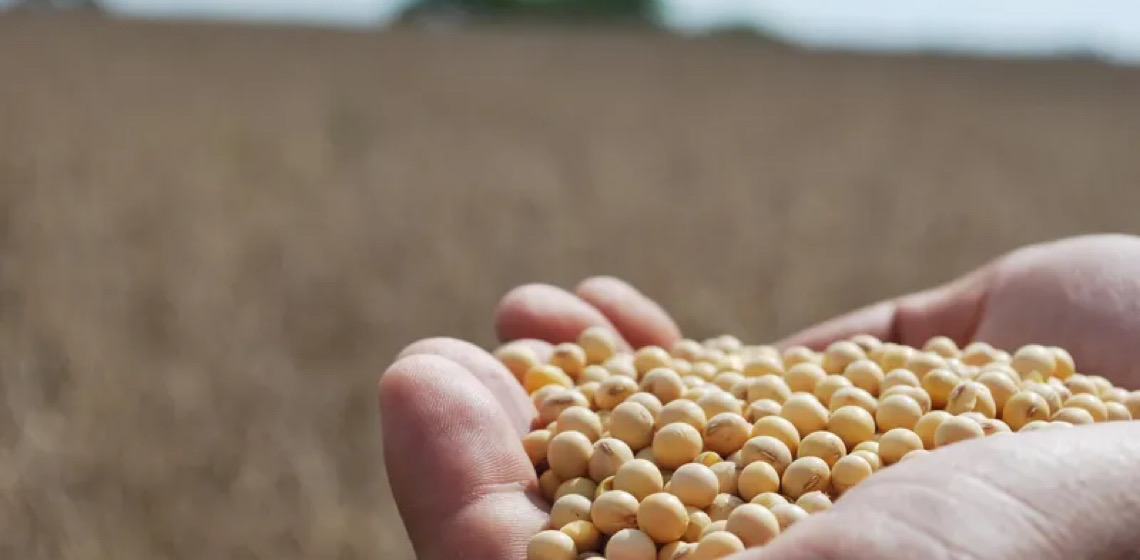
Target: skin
[(453, 416)]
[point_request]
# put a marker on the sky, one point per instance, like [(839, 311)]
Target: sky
[(1106, 28)]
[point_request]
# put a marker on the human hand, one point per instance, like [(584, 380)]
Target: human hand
[(468, 489)]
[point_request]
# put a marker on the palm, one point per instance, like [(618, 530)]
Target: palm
[(452, 414)]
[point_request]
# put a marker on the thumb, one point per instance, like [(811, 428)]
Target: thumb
[(953, 310)]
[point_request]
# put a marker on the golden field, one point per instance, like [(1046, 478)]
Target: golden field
[(215, 238)]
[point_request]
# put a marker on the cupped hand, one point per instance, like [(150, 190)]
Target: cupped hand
[(453, 415)]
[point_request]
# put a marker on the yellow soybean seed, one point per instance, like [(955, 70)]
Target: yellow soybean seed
[(614, 511), (535, 444), (588, 390), (639, 478), (1089, 402), (942, 346), (585, 535), (698, 521), (852, 424), (928, 424), (569, 508), (604, 486), (897, 411), (663, 383), (556, 401), (899, 377), (788, 514), (676, 444), (569, 357), (684, 368), (865, 374), (912, 454), (953, 430), (919, 395), (870, 445), (727, 474), (1034, 425), (613, 391), (769, 499), (759, 477), (695, 485), (708, 458), (1132, 403), (796, 355), (754, 525), (631, 544), (609, 455), (740, 390), (684, 411), (632, 423), (849, 471), (719, 402), (1053, 395), (1078, 384), (542, 375), (1034, 358), (769, 450), (780, 428), (840, 354), (1001, 387), (551, 545), (1024, 407), (806, 413), (569, 455), (622, 365), (1063, 361), (582, 420), (767, 387), (713, 527), (939, 383), (726, 433), (893, 356), (688, 349), (827, 388), (804, 377), (1073, 415), (992, 426), (900, 441), (723, 506), (814, 502), (922, 363), (763, 365), (872, 458), (822, 444), (676, 551), (761, 408), (1102, 384), (718, 544), (662, 517), (1116, 395), (1117, 412), (518, 358), (805, 474), (650, 357), (852, 396), (969, 396), (867, 342), (704, 370), (726, 380), (599, 344), (580, 486), (548, 484)]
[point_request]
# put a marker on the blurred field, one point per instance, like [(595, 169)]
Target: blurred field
[(213, 239)]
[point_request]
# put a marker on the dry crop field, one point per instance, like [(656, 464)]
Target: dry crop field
[(214, 238)]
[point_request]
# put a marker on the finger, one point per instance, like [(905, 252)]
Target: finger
[(462, 482), (953, 310), (545, 312), (489, 371), (1044, 495), (640, 320)]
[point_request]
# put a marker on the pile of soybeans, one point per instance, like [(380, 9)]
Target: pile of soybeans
[(708, 448)]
